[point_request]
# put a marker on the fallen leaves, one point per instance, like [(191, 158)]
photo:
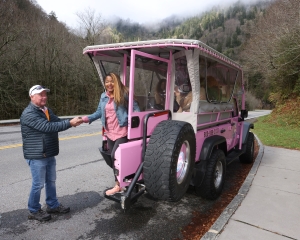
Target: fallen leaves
[(202, 221)]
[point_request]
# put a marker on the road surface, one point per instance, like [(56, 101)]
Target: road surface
[(82, 176)]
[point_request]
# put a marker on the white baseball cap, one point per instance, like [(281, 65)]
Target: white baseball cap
[(37, 89)]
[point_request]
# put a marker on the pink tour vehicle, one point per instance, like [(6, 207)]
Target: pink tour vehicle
[(191, 120)]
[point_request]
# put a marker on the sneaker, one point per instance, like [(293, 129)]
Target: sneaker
[(40, 215), (59, 209), (114, 190)]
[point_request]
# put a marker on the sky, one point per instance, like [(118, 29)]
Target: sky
[(141, 11)]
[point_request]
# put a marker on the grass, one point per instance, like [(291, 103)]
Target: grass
[(273, 134)]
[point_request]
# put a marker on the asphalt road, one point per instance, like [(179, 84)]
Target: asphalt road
[(258, 113), (82, 176)]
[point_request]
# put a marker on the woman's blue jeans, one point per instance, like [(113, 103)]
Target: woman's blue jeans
[(43, 172)]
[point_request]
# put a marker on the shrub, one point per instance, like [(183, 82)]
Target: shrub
[(252, 102)]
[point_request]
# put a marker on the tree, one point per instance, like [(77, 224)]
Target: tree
[(36, 49), (13, 51), (228, 42), (273, 49), (52, 16), (238, 30), (235, 42), (219, 47), (92, 26)]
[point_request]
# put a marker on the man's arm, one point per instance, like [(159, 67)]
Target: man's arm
[(74, 122), (35, 121)]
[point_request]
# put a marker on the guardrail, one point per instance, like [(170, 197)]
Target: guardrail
[(17, 121)]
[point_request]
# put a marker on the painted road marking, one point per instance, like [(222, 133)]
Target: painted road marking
[(61, 139), (11, 146)]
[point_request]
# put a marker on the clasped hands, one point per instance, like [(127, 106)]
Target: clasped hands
[(76, 121)]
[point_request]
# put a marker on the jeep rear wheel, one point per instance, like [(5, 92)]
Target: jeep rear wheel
[(213, 181), (169, 160), (247, 157)]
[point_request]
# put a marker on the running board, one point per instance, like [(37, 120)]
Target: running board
[(125, 199), (234, 155)]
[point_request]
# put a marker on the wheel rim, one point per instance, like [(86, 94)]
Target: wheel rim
[(218, 174), (183, 161)]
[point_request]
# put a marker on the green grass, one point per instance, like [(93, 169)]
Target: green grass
[(272, 134)]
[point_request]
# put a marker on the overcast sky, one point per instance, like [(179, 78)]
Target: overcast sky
[(142, 11)]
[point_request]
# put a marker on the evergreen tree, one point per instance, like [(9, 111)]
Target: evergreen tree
[(219, 47), (228, 42)]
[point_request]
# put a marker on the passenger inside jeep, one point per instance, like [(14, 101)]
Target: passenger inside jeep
[(202, 93), (183, 88), (184, 97), (160, 95), (213, 91)]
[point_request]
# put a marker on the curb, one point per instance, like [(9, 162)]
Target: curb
[(219, 225)]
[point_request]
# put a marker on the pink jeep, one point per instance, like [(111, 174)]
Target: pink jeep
[(191, 123)]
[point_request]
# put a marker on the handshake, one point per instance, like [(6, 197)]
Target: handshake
[(78, 120)]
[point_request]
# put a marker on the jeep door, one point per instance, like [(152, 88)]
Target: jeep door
[(146, 72)]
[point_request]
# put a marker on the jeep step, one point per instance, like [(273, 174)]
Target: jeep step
[(233, 155), (127, 199)]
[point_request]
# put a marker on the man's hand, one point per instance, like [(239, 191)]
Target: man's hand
[(76, 121)]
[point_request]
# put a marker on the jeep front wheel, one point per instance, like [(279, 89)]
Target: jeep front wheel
[(248, 156), (169, 160)]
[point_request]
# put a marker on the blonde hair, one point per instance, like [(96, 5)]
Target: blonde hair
[(120, 90)]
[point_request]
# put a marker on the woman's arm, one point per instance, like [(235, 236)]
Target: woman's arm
[(157, 98), (136, 107), (98, 113)]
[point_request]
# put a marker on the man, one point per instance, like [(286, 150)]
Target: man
[(40, 127)]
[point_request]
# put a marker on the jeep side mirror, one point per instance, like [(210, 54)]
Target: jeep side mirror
[(244, 114)]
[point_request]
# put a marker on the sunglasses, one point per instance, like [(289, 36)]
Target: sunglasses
[(38, 88)]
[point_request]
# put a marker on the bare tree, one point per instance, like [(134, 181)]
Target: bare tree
[(274, 50), (92, 27), (35, 48), (12, 54)]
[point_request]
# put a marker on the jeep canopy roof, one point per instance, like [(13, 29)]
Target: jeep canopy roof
[(182, 62), (161, 47)]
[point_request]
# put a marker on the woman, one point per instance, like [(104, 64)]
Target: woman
[(113, 111)]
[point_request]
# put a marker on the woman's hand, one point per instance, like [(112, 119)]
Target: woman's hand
[(76, 121), (176, 92), (85, 119)]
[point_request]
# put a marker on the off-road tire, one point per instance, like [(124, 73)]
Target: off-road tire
[(214, 178), (161, 159), (248, 156)]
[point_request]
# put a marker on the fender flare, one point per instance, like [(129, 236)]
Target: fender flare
[(206, 151), (209, 144), (246, 129)]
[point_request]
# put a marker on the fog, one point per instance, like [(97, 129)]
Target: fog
[(143, 12)]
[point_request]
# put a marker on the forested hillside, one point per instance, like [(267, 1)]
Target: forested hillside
[(36, 48), (271, 60), (224, 29)]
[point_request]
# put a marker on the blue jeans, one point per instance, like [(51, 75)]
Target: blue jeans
[(43, 172)]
